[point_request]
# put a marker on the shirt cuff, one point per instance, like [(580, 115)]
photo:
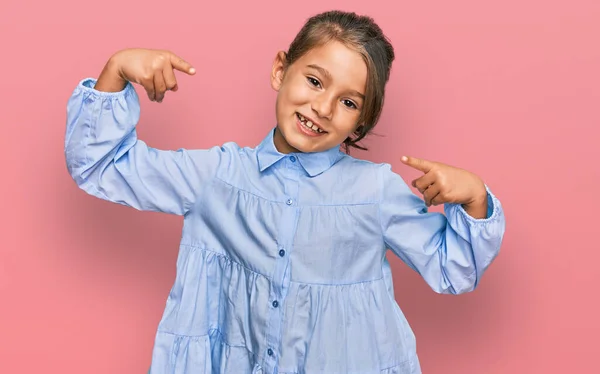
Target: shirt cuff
[(87, 85)]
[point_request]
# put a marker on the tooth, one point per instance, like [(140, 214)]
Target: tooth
[(314, 127), (309, 123)]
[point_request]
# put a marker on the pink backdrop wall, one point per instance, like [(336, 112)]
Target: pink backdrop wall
[(510, 91)]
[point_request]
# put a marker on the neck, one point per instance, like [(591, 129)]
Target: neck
[(281, 144)]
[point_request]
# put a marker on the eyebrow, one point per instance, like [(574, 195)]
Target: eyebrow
[(328, 76)]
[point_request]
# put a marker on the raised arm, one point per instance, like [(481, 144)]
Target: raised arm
[(452, 251), (104, 155)]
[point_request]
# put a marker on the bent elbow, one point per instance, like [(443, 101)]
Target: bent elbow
[(468, 285), (458, 286)]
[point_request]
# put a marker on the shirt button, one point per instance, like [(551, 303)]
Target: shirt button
[(275, 304), (292, 158), (281, 252), (270, 352), (289, 201)]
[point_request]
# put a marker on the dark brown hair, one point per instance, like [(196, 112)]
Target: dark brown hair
[(362, 34)]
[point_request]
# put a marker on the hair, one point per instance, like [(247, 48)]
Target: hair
[(363, 35)]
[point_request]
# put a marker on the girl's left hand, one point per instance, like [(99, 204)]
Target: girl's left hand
[(446, 184)]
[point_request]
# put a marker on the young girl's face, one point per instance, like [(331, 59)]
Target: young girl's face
[(320, 98)]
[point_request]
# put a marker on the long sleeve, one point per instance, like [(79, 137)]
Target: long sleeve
[(452, 251), (107, 160)]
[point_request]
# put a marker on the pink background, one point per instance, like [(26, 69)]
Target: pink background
[(510, 91)]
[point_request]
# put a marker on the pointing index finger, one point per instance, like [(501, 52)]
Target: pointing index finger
[(418, 163), (180, 64)]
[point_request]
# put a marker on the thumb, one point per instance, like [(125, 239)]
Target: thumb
[(417, 163)]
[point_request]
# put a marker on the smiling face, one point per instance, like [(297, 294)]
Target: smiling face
[(320, 98)]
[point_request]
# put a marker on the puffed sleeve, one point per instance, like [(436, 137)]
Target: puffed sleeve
[(452, 251), (107, 160)]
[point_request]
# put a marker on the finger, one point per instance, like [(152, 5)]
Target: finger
[(424, 181), (418, 163), (182, 65), (159, 86), (437, 200), (148, 85), (431, 193), (170, 80)]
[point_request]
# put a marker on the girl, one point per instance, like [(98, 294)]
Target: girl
[(282, 265)]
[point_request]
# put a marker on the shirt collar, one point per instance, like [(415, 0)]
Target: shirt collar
[(314, 163)]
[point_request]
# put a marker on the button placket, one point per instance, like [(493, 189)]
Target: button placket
[(280, 280)]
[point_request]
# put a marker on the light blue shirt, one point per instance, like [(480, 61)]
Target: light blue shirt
[(281, 265)]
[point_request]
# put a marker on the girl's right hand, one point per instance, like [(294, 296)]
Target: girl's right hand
[(152, 69)]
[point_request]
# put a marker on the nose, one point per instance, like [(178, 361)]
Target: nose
[(322, 105)]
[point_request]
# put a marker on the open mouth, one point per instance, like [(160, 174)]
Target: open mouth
[(309, 125)]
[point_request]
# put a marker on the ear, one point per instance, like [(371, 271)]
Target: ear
[(278, 71)]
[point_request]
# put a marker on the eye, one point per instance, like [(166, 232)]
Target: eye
[(349, 104), (314, 81)]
